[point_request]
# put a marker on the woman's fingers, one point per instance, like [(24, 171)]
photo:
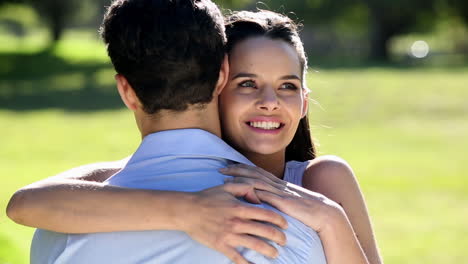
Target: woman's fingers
[(261, 230), (245, 211), (258, 245), (268, 174), (242, 190), (257, 184), (252, 172), (270, 198), (261, 214), (233, 255), (223, 223)]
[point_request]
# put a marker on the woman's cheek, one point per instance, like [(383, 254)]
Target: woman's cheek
[(293, 105)]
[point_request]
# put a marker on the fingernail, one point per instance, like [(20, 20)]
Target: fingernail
[(222, 170)]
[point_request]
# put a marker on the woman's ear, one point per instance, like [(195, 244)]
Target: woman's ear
[(223, 76), (305, 104), (127, 93)]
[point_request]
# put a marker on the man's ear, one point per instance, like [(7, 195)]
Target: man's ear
[(127, 93), (223, 76)]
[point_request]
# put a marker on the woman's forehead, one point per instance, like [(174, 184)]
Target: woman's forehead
[(263, 52)]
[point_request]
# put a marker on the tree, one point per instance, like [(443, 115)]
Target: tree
[(391, 18), (59, 13), (56, 14), (385, 18), (460, 7)]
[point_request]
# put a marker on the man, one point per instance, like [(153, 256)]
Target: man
[(169, 56)]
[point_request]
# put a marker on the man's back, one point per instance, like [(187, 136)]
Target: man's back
[(178, 160)]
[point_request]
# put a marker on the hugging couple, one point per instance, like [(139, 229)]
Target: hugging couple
[(226, 171)]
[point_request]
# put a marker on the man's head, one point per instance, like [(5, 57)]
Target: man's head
[(169, 51)]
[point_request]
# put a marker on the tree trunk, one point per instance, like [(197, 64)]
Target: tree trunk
[(379, 41), (56, 24), (381, 30), (57, 30)]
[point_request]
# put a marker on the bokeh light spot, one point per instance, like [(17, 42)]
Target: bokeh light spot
[(419, 49)]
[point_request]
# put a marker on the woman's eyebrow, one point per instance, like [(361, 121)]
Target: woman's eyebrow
[(244, 75), (289, 77), (251, 75)]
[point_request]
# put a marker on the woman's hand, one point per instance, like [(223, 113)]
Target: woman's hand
[(311, 208), (258, 177), (323, 215), (219, 220)]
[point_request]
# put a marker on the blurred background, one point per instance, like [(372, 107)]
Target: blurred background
[(389, 80)]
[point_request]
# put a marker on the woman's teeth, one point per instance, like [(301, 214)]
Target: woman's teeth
[(265, 125)]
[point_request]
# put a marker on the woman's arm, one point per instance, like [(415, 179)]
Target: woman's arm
[(334, 178), (77, 201), (60, 202), (319, 212), (327, 218)]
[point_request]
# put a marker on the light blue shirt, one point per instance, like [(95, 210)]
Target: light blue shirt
[(175, 160)]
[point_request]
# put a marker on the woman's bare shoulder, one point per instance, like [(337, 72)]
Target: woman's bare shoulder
[(329, 171)]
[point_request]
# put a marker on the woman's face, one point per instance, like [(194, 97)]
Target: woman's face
[(263, 101)]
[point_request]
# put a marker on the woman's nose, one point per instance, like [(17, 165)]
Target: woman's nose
[(268, 99)]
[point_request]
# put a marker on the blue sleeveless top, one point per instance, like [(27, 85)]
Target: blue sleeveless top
[(294, 171)]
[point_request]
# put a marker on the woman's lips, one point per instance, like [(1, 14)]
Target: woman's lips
[(265, 125)]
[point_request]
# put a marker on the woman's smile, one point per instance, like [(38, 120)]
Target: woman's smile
[(265, 124)]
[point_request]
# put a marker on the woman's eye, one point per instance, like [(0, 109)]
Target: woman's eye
[(247, 84), (288, 86)]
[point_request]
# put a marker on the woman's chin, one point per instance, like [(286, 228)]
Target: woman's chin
[(265, 148)]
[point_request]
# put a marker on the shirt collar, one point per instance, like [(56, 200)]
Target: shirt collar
[(186, 142)]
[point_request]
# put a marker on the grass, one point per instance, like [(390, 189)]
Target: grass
[(404, 130), (405, 134)]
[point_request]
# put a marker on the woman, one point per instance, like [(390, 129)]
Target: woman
[(261, 108)]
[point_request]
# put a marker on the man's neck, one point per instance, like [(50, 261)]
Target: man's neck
[(206, 119)]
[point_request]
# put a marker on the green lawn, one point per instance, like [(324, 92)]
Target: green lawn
[(404, 131)]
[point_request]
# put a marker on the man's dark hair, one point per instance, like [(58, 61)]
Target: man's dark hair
[(170, 51)]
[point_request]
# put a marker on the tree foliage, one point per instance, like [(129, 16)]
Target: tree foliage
[(385, 18), (56, 14), (460, 7), (391, 18)]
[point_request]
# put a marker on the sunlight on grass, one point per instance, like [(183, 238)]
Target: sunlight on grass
[(76, 46), (405, 134), (31, 43), (39, 144), (104, 77), (73, 81), (82, 46)]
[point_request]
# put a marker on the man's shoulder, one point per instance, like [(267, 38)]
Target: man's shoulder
[(185, 143)]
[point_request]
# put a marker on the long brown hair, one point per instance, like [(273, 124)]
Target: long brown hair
[(302, 147)]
